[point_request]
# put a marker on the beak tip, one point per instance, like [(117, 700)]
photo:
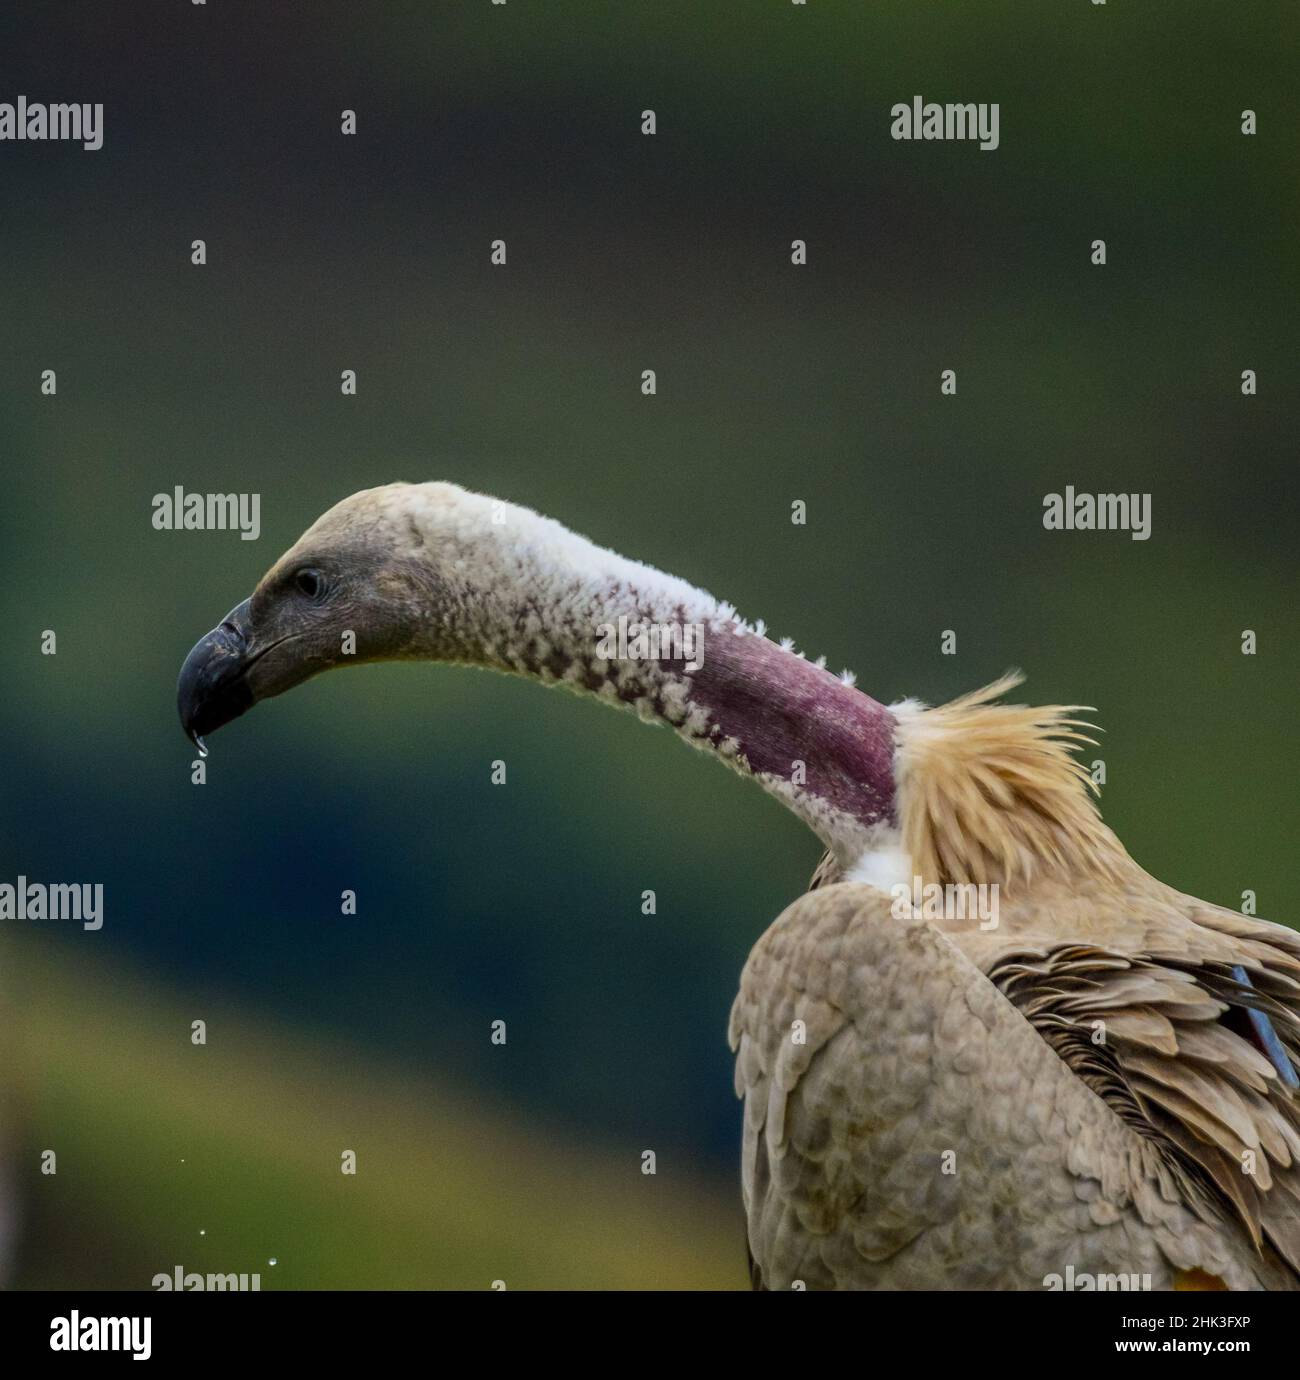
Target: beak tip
[(211, 690)]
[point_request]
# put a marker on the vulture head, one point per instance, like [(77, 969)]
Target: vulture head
[(361, 584)]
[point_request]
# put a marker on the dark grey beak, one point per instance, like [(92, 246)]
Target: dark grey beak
[(211, 689)]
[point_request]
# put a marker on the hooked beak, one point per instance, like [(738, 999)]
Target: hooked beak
[(212, 688)]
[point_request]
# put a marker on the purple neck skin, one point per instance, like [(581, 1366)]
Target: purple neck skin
[(781, 710)]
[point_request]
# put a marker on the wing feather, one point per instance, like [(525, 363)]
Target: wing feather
[(1178, 991), (907, 1127)]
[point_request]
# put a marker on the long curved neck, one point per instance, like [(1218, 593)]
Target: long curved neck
[(546, 603)]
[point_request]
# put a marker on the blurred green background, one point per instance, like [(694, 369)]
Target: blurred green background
[(523, 1162)]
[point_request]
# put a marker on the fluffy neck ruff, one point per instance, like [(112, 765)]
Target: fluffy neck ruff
[(992, 793), (528, 596)]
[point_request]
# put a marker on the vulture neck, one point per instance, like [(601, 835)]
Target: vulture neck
[(552, 606)]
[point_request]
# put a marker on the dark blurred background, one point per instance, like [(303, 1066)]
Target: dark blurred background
[(775, 383)]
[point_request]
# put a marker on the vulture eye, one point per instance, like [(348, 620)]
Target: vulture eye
[(309, 582)]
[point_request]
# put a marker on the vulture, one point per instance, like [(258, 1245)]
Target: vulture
[(1082, 1079)]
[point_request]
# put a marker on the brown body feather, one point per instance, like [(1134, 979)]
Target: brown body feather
[(1130, 982)]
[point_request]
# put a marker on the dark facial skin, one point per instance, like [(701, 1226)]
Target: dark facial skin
[(295, 625)]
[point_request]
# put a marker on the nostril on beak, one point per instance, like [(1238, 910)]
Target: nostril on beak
[(234, 630)]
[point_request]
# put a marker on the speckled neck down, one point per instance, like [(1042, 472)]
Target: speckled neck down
[(577, 615), (518, 592)]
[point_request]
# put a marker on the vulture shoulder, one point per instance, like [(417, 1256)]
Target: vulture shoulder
[(914, 1117)]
